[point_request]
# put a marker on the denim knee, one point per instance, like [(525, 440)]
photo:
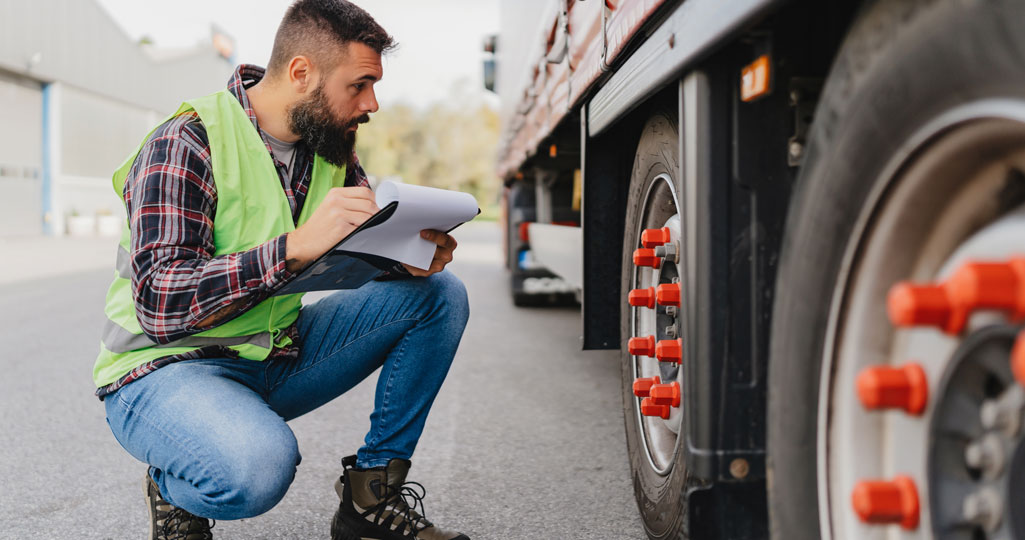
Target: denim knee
[(450, 295), (255, 476)]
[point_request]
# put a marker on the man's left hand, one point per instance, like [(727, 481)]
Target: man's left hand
[(442, 255)]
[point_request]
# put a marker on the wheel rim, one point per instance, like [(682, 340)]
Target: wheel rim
[(955, 165), (660, 438), (978, 377)]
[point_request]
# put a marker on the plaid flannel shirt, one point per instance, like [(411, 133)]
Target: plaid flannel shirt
[(177, 282)]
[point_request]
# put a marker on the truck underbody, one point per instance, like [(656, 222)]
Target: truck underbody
[(802, 224)]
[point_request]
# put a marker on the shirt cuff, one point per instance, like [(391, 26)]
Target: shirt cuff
[(265, 265)]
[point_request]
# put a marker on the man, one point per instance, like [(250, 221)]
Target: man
[(199, 367)]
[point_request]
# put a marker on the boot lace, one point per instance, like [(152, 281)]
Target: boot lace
[(408, 497), (182, 525)]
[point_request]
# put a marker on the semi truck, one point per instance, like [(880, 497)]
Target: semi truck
[(802, 225)]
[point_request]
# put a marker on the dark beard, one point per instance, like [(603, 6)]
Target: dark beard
[(313, 122)]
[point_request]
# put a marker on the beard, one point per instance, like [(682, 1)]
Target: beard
[(329, 137)]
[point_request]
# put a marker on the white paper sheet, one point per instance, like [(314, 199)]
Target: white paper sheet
[(419, 208)]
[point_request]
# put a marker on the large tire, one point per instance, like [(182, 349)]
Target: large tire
[(903, 63), (660, 498)]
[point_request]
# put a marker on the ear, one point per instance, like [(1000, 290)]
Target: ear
[(300, 74)]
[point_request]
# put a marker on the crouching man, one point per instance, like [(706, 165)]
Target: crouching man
[(199, 367)]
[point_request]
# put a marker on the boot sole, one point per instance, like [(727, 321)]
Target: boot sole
[(355, 529)]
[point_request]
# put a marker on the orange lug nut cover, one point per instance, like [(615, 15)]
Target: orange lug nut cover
[(642, 297), (668, 294), (885, 502), (1018, 359), (655, 237), (650, 408), (885, 387), (920, 305), (666, 394), (669, 350), (973, 286), (990, 285), (646, 257), (641, 346), (642, 386)]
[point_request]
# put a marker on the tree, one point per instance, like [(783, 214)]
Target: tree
[(446, 146)]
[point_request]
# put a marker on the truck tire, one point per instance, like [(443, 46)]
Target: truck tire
[(656, 460), (914, 155)]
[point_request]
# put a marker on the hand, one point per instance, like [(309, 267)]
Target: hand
[(341, 211), (442, 255)]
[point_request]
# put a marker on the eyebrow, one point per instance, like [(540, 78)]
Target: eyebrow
[(367, 77)]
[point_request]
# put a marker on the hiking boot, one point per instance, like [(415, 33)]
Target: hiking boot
[(378, 504), (170, 522)]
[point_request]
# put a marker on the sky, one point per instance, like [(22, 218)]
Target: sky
[(440, 41)]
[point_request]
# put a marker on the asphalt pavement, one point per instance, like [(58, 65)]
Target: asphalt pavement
[(525, 440)]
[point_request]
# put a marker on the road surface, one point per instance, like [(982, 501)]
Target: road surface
[(525, 440)]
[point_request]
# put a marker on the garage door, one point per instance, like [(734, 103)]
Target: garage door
[(21, 172)]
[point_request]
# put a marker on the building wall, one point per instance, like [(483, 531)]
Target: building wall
[(77, 43), (97, 132), (21, 159), (66, 64), (96, 135)]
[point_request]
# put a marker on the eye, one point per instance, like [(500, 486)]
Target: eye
[(359, 86)]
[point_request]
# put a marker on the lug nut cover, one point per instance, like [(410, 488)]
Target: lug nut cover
[(669, 350), (919, 305), (887, 502), (666, 394), (973, 286), (668, 294), (642, 386), (885, 387), (641, 346), (642, 297), (1018, 359), (650, 408), (646, 257), (655, 237)]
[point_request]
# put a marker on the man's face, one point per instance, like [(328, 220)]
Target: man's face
[(328, 118)]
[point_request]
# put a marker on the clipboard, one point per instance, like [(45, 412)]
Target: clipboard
[(340, 268)]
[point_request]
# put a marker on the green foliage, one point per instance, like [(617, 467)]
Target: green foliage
[(442, 146)]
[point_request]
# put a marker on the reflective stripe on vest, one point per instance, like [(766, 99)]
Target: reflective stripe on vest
[(124, 263), (118, 339), (251, 209)]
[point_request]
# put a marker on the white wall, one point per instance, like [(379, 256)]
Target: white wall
[(94, 135), (21, 126), (105, 93)]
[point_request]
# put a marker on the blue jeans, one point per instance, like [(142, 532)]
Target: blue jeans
[(213, 430)]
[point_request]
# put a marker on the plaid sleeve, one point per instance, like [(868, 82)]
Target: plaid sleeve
[(179, 287), (354, 173)]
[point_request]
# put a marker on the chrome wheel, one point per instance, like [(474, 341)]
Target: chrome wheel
[(659, 323), (894, 452)]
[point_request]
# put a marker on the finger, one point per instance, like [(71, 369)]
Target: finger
[(414, 271), (443, 255), (360, 205), (437, 237), (356, 218), (355, 192)]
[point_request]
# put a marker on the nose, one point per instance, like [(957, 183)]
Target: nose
[(370, 105)]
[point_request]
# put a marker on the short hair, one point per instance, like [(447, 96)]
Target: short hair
[(315, 28)]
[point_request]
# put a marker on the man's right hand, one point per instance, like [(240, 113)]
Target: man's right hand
[(342, 210)]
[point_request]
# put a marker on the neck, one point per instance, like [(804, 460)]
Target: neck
[(271, 108)]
